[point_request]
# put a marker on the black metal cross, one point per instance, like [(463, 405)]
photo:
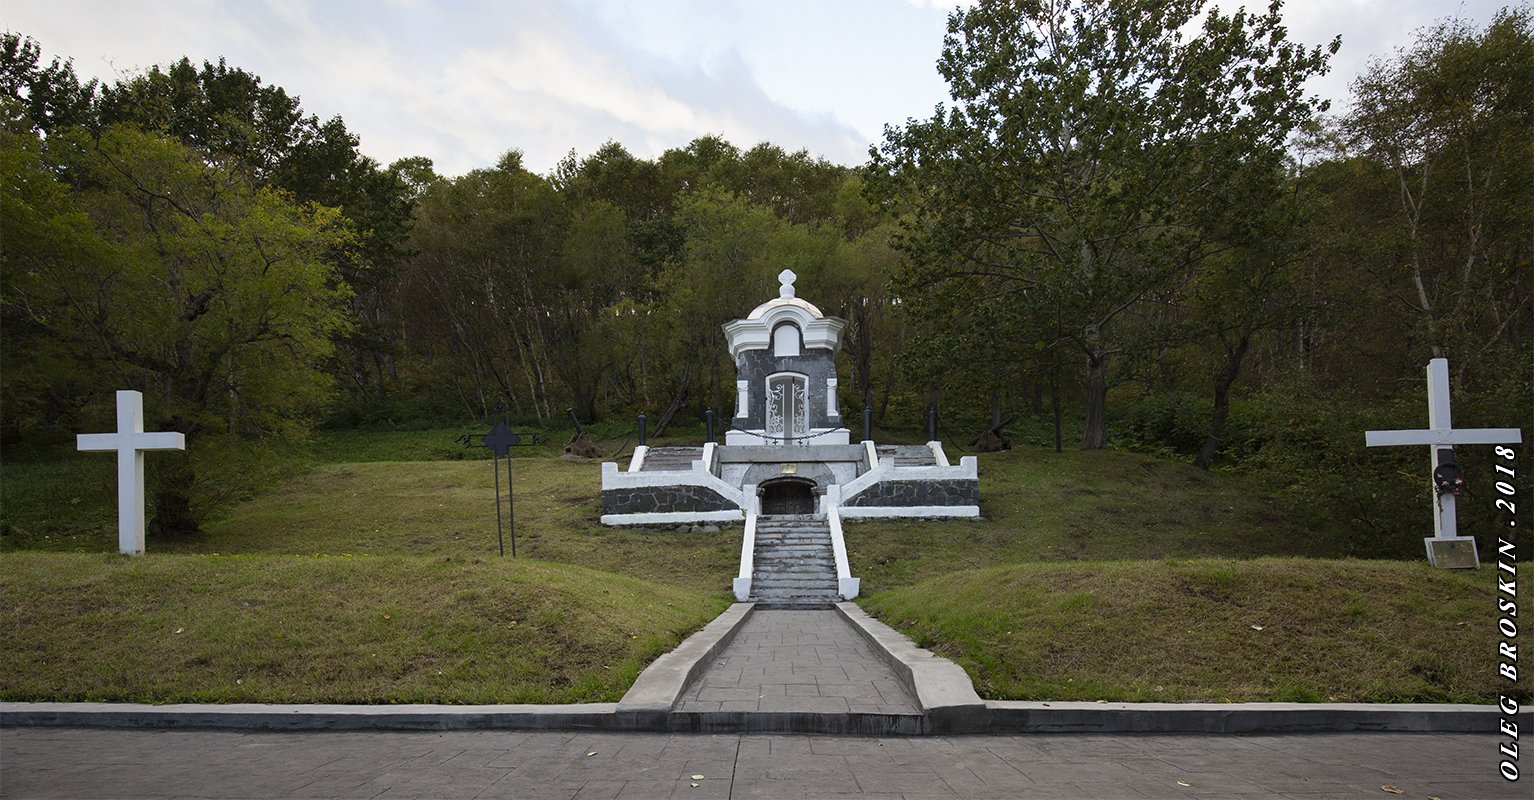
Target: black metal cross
[(500, 440)]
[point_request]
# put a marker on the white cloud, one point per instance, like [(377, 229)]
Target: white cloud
[(464, 81)]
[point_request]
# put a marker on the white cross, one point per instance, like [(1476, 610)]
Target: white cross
[(130, 442), (1440, 433), (786, 277)]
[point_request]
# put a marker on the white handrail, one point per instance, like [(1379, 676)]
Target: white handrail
[(846, 585), (742, 583)]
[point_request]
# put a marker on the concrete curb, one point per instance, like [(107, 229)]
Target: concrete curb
[(997, 717), (261, 716), (829, 723), (942, 689), (647, 704), (1011, 716)]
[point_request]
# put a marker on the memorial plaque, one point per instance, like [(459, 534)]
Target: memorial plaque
[(1456, 553)]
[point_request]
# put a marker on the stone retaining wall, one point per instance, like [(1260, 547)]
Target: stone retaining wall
[(664, 499), (946, 492)]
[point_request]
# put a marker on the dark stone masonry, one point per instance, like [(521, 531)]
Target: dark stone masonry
[(661, 499), (955, 492)]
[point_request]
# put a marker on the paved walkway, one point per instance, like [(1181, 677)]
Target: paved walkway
[(799, 661), (167, 764)]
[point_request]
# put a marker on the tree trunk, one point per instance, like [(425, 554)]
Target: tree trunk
[(677, 401), (995, 397), (1054, 395), (1222, 384), (889, 385), (1096, 435)]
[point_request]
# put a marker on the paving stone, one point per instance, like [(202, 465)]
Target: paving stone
[(163, 765), (794, 677)]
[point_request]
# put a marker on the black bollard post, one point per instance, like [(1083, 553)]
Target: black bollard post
[(643, 420), (932, 422), (868, 423), (708, 420)]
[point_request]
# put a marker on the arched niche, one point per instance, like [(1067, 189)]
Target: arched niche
[(787, 340)]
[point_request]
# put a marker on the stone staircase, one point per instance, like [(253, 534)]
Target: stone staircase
[(793, 564), (670, 459), (908, 455)]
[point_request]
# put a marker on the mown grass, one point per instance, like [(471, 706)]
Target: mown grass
[(1214, 630), (1101, 575), (448, 508), (184, 628), (1039, 505), (338, 495)]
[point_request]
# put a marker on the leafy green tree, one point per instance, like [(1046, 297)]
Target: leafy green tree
[(259, 130), (1079, 160), (46, 98), (476, 288), (222, 111), (1451, 121), (168, 275)]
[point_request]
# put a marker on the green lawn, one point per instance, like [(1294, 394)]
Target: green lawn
[(356, 567), (1039, 505), (456, 629), (1211, 630)]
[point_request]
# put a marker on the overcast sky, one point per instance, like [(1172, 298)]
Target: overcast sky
[(463, 81)]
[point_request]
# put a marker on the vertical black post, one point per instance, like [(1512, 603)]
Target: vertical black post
[(932, 422), (500, 537), (868, 422), (511, 507), (708, 419), (643, 421)]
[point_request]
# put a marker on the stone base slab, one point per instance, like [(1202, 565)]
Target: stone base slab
[(997, 717)]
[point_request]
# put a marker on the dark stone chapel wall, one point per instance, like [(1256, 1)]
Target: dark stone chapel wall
[(664, 499), (816, 364), (904, 494)]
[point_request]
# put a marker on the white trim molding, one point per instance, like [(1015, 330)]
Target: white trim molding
[(671, 517), (916, 512)]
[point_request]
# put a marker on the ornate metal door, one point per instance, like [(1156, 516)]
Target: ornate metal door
[(788, 410)]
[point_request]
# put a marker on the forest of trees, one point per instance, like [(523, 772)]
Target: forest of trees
[(1119, 237)]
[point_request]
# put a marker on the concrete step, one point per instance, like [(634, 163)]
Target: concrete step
[(821, 589), (786, 586), (780, 570), (908, 455), (819, 600), (671, 459), (794, 549), (777, 564), (794, 566), (781, 557), (815, 583)]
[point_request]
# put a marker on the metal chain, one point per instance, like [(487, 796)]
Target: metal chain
[(784, 438)]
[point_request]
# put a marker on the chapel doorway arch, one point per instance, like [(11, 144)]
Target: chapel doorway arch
[(788, 496)]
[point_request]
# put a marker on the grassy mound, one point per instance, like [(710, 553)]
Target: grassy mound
[(1210, 630), (65, 502), (448, 508), (1039, 505), (367, 567), (183, 628)]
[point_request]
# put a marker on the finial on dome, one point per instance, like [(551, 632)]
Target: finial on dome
[(786, 277)]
